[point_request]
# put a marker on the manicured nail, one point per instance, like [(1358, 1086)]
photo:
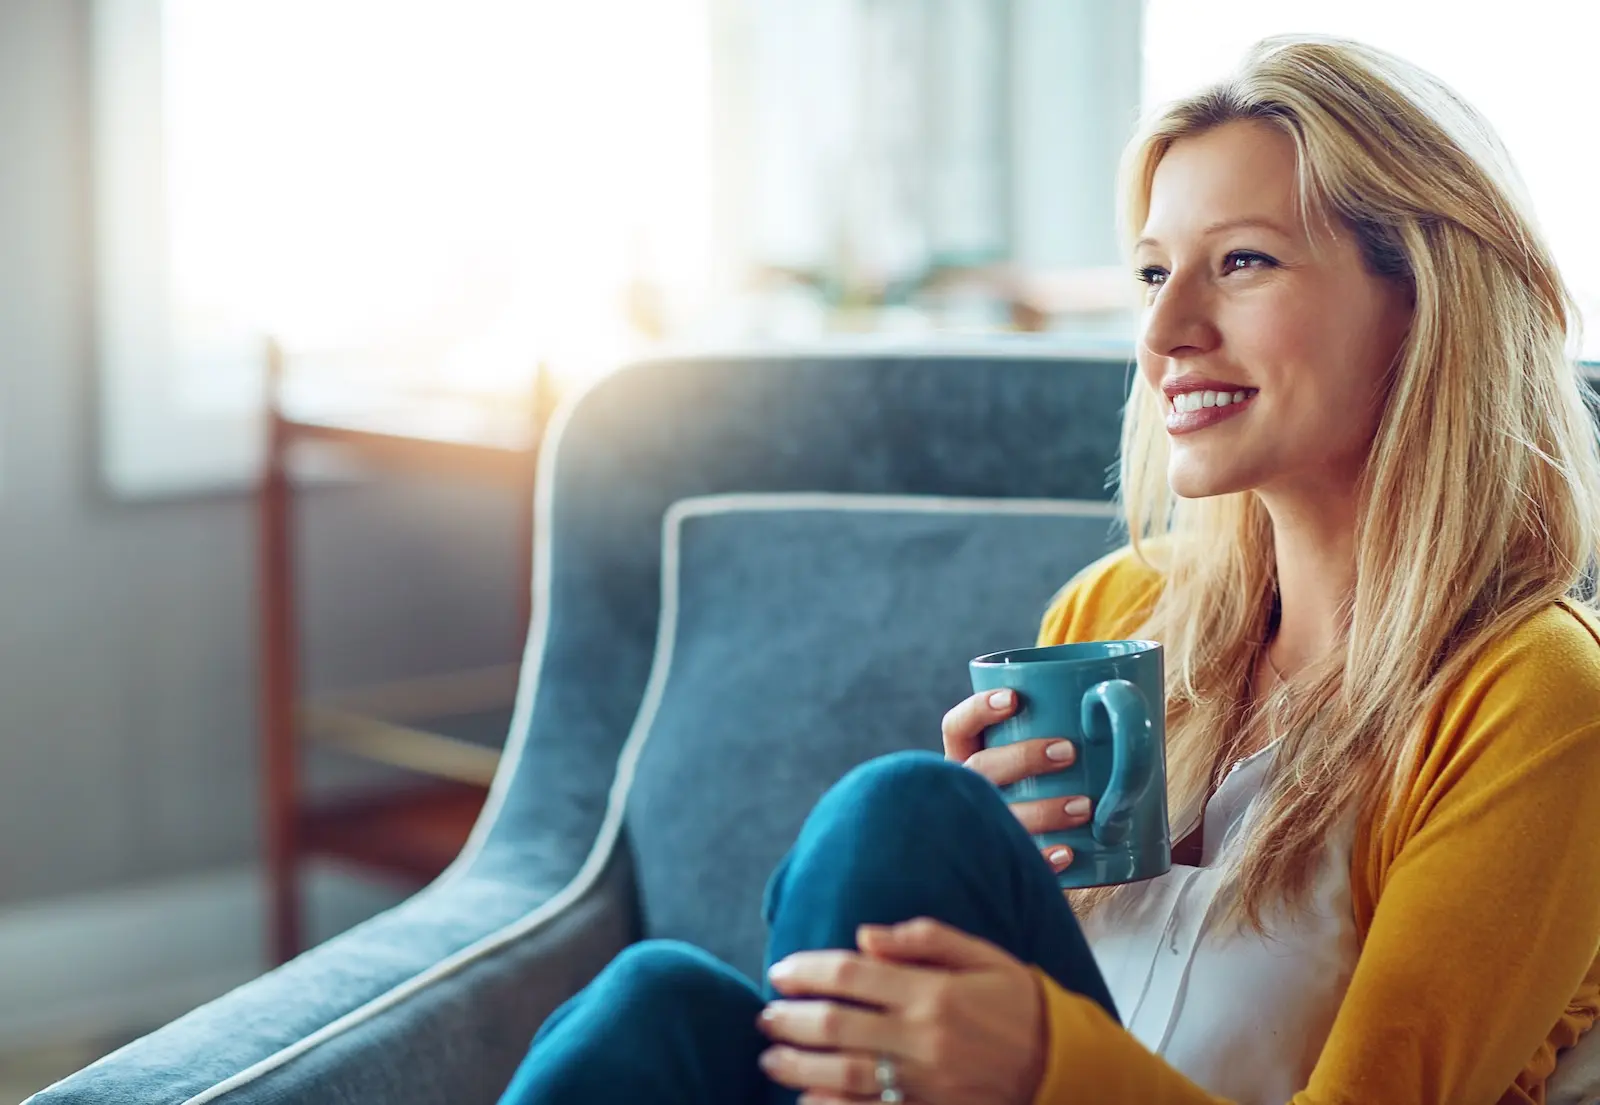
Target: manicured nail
[(1078, 806), (1061, 857), (780, 970), (1000, 699), (1061, 752)]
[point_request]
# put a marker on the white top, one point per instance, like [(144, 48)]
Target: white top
[(1243, 1015)]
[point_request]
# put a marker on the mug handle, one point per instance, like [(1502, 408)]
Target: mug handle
[(1133, 761)]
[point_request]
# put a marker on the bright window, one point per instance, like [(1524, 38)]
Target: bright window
[(453, 191), (410, 190), (1528, 69)]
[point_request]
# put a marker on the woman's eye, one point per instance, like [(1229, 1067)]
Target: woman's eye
[(1241, 260), (1151, 275)]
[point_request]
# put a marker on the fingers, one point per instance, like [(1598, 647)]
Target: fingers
[(849, 975), (1005, 764), (1053, 815), (963, 726), (1058, 856), (930, 942), (826, 1026), (827, 1075)]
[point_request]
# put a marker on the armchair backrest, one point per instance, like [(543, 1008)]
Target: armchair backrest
[(993, 421), (801, 635)]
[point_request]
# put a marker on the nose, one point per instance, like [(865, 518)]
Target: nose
[(1179, 320)]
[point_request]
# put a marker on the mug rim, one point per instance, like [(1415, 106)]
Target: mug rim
[(998, 659)]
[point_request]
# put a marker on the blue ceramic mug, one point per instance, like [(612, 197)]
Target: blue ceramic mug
[(1108, 698)]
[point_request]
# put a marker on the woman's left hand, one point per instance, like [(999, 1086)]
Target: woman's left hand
[(963, 1021)]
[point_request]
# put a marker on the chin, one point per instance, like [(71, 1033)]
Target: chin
[(1194, 481)]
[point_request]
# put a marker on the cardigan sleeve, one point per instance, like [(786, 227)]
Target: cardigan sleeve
[(1105, 601), (1481, 946)]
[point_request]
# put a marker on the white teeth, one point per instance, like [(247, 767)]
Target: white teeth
[(1188, 401)]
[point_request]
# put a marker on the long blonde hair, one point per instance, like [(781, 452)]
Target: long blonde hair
[(1478, 501)]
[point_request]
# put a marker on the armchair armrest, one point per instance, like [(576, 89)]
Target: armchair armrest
[(434, 1001)]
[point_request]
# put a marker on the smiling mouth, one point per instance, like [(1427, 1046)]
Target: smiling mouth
[(1191, 411), (1186, 402)]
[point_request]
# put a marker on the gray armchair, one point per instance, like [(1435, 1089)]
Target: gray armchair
[(754, 573)]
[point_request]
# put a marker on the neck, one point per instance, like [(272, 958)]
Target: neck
[(1315, 550)]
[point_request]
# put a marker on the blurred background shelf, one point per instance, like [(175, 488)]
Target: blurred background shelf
[(382, 723), (410, 833), (439, 733)]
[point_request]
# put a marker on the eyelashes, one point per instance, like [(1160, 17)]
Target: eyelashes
[(1251, 259), (1238, 260)]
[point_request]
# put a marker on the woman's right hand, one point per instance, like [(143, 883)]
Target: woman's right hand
[(1005, 764)]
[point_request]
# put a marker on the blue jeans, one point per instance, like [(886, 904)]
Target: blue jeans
[(905, 835)]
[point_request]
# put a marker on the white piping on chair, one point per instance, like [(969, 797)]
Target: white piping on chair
[(611, 824), (543, 507)]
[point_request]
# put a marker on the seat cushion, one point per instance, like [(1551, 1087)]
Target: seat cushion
[(802, 634)]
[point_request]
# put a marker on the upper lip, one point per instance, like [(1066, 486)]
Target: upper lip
[(1178, 385)]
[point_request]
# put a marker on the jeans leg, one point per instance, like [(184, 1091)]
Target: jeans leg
[(910, 834), (664, 1024), (905, 835)]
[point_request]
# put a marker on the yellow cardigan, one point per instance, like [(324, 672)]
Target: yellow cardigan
[(1477, 901)]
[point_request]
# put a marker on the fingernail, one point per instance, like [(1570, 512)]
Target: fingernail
[(1000, 699), (1061, 752), (766, 1060), (1061, 857), (780, 970), (1078, 806)]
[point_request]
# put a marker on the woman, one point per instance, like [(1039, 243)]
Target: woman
[(1361, 485)]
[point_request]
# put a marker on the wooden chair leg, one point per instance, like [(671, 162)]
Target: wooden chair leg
[(279, 689)]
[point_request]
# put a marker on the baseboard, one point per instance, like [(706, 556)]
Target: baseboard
[(121, 963)]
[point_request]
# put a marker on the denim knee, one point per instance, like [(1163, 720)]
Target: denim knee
[(670, 977), (665, 1021), (916, 797), (896, 834)]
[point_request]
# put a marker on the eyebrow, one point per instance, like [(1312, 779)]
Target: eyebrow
[(1227, 224)]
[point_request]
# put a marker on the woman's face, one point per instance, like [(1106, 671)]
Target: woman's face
[(1288, 335)]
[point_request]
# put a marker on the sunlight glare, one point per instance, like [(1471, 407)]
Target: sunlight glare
[(480, 178)]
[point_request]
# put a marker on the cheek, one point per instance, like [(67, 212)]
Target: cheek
[(1149, 369), (1276, 337), (1305, 349), (1321, 368)]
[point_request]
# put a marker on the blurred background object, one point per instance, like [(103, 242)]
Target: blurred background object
[(426, 193), (470, 209), (438, 733)]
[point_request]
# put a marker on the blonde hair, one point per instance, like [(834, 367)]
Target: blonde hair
[(1477, 503)]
